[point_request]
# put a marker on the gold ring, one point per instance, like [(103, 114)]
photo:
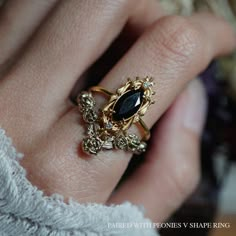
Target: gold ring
[(107, 129)]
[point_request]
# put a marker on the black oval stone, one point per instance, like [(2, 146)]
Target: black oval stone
[(128, 104)]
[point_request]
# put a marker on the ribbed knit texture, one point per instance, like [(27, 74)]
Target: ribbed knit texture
[(24, 210)]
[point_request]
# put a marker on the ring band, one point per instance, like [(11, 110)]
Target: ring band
[(108, 128)]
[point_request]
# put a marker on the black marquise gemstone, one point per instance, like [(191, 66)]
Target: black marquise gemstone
[(128, 104)]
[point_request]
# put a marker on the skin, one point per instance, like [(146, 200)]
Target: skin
[(46, 48)]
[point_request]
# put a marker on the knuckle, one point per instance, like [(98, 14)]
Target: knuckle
[(177, 39)]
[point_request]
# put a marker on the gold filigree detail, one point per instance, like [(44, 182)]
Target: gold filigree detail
[(104, 132)]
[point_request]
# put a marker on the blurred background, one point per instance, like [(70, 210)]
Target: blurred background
[(215, 198)]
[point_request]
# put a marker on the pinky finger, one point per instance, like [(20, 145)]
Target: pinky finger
[(171, 169)]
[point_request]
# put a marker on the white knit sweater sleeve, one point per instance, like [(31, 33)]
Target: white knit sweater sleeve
[(24, 210)]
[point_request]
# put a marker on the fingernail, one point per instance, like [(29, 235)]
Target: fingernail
[(196, 106)]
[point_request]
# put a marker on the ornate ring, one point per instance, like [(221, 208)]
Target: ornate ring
[(107, 128)]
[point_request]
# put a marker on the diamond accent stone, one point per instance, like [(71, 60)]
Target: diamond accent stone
[(147, 84), (108, 144), (108, 125)]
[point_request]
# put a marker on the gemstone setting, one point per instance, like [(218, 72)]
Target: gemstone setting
[(107, 128), (128, 105)]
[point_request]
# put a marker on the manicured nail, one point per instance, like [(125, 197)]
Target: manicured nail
[(196, 106)]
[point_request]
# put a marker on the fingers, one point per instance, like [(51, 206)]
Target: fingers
[(172, 51), (171, 168), (51, 77), (18, 20), (217, 26), (75, 35)]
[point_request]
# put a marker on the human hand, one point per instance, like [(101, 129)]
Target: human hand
[(46, 127)]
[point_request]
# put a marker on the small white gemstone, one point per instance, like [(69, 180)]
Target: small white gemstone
[(107, 145), (108, 125), (147, 84)]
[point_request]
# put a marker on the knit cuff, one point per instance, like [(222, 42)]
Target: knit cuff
[(25, 210)]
